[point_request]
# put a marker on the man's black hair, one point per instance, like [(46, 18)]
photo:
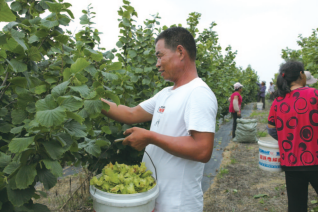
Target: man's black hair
[(175, 36)]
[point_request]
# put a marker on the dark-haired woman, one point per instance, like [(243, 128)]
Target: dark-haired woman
[(293, 121), (235, 105)]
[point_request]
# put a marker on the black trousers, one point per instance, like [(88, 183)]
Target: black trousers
[(263, 100), (235, 116), (297, 188)]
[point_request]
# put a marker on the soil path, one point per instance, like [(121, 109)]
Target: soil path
[(221, 140)]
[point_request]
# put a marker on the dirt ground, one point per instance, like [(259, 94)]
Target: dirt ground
[(70, 192), (241, 185)]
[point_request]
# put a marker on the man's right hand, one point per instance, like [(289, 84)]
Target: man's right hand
[(126, 115)]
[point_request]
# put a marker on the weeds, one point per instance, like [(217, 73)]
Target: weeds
[(261, 134), (222, 172)]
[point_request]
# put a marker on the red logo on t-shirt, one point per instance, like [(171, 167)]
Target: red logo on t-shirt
[(161, 109)]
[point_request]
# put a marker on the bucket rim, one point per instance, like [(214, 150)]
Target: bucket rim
[(266, 144)]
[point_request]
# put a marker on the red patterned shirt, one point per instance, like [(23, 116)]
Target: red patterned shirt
[(296, 119)]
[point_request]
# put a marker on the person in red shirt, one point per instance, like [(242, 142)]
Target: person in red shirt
[(293, 121), (235, 105)]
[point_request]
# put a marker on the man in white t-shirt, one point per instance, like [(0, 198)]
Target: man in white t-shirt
[(183, 117)]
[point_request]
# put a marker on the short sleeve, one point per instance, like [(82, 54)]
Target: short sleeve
[(201, 110), (149, 104), (272, 114)]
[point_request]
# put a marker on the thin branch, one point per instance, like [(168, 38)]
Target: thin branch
[(5, 79), (4, 90)]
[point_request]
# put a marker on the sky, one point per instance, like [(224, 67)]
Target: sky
[(257, 29)]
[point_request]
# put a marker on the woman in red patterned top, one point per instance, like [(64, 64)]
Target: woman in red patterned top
[(235, 105), (293, 119)]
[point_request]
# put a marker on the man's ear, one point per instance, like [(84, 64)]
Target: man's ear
[(181, 52)]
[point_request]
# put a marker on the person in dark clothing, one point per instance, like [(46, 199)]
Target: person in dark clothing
[(293, 122), (235, 105), (261, 94)]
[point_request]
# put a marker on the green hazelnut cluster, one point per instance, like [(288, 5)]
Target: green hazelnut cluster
[(124, 179)]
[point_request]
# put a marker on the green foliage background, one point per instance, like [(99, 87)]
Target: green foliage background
[(51, 83), (308, 54)]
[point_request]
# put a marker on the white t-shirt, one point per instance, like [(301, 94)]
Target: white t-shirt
[(192, 106)]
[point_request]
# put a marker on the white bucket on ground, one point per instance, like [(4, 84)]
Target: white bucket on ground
[(259, 105), (269, 157), (108, 202)]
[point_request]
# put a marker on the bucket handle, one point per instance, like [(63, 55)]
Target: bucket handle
[(152, 164)]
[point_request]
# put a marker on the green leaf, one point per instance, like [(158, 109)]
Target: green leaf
[(138, 70), (54, 149), (3, 53), (93, 149), (25, 176), (20, 144), (11, 167), (64, 139), (91, 70), (17, 36), (106, 130), (47, 178), (83, 90), (54, 166), (6, 14), (259, 195), (84, 19), (62, 38), (101, 142), (132, 53), (48, 114), (93, 106), (110, 76), (66, 74), (313, 201), (75, 116), (3, 112), (70, 13), (113, 97), (119, 44), (147, 69), (18, 197), (79, 65), (34, 54), (54, 7), (16, 130), (16, 6), (19, 81), (40, 89), (60, 89), (49, 24), (76, 129), (4, 159), (71, 103), (115, 66), (17, 66), (33, 39), (5, 127)]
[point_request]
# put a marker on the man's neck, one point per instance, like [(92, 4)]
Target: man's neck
[(188, 74)]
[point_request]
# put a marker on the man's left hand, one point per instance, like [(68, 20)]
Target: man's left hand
[(138, 138)]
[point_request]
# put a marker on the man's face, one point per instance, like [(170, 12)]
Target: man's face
[(167, 61)]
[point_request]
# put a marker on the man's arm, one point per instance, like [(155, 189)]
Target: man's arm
[(126, 115), (197, 147)]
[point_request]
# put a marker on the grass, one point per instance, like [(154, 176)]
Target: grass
[(261, 134), (222, 172)]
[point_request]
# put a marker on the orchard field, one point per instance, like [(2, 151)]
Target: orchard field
[(51, 82)]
